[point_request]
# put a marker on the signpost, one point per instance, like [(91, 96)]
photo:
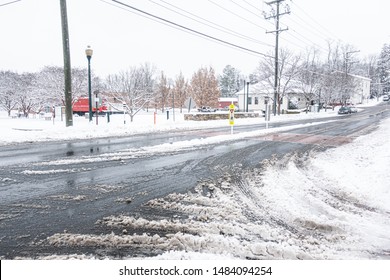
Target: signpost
[(267, 111), (231, 117), (124, 113)]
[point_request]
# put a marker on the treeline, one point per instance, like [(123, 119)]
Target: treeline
[(138, 87), (325, 74)]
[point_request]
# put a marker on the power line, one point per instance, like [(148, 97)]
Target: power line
[(237, 15), (309, 27), (190, 29), (9, 3), (219, 27), (253, 6), (316, 22), (249, 11), (197, 33), (308, 41)]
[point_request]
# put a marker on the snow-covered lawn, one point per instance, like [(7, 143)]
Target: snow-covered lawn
[(18, 130)]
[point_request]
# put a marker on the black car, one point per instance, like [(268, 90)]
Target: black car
[(344, 110)]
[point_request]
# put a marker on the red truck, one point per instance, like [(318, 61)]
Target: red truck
[(81, 106)]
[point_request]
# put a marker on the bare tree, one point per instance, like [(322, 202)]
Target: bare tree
[(51, 80), (162, 94), (8, 81), (28, 97), (180, 91), (288, 71), (338, 67), (309, 78), (204, 87), (133, 88)]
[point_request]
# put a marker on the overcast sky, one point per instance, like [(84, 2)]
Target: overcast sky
[(30, 32)]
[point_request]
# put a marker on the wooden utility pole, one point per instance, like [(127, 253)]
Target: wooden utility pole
[(67, 68), (277, 31), (346, 83)]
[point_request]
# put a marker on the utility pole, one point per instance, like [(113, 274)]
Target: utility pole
[(67, 69), (277, 32), (347, 58)]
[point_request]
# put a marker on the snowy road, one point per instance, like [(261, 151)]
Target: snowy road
[(149, 194)]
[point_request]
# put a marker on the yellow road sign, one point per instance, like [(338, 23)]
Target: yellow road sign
[(231, 114)]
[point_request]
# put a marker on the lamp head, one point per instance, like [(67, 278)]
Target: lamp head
[(88, 51)]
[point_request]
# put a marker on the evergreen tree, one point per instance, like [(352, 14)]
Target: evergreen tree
[(384, 68), (230, 81)]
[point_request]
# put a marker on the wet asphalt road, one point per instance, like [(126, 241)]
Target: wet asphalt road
[(41, 196)]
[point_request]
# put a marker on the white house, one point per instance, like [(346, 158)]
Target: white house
[(255, 100), (362, 89)]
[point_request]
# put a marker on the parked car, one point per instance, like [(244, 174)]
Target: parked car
[(206, 109), (327, 106), (385, 98), (344, 110), (353, 109)]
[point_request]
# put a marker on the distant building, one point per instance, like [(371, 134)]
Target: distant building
[(255, 100), (362, 89), (224, 102)]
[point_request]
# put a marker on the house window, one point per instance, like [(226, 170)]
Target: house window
[(256, 100), (250, 100)]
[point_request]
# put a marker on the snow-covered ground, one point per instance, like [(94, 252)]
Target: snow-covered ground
[(33, 129), (326, 205), (330, 205)]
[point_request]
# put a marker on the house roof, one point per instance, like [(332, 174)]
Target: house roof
[(265, 88), (360, 77)]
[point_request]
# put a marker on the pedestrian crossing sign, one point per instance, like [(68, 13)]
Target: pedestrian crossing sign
[(231, 114)]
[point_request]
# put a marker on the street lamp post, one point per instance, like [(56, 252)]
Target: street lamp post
[(89, 53), (96, 106), (247, 96), (267, 112), (245, 99)]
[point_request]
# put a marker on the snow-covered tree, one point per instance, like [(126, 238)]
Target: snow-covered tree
[(8, 80), (384, 68), (28, 95), (133, 87), (230, 82), (308, 80), (288, 69), (51, 81)]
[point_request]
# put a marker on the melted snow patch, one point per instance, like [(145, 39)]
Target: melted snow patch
[(68, 197), (47, 172)]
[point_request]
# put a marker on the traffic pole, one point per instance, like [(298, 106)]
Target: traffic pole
[(231, 117)]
